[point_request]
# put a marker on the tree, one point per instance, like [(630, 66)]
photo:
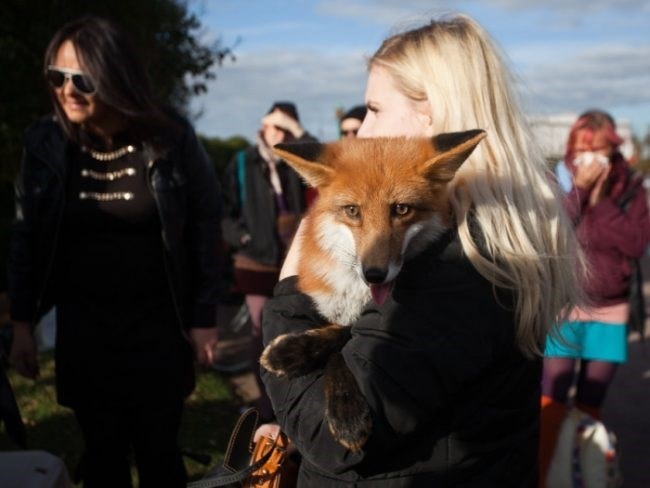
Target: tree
[(167, 34), (221, 151)]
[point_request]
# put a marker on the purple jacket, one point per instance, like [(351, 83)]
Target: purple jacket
[(611, 236)]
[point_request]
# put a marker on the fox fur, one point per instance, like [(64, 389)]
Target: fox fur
[(380, 202)]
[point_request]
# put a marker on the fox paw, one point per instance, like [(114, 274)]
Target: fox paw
[(294, 355), (346, 411), (285, 356)]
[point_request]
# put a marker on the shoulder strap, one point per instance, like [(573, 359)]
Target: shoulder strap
[(626, 197), (241, 175), (237, 464)]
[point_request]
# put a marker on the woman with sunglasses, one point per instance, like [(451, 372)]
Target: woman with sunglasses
[(117, 225)]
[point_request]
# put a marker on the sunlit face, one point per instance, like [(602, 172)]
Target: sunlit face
[(78, 108), (390, 112), (596, 142), (272, 134), (350, 127)]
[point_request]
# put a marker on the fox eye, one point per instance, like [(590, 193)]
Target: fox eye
[(401, 209), (352, 211)]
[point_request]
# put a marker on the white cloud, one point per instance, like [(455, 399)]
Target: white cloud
[(317, 81), (570, 6), (388, 11), (559, 73), (605, 75)]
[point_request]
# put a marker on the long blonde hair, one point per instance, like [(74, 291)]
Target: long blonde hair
[(527, 243)]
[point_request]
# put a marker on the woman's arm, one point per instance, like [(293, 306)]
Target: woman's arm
[(23, 287), (23, 275), (290, 265), (627, 230), (204, 236)]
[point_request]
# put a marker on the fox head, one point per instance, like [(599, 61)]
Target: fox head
[(379, 199)]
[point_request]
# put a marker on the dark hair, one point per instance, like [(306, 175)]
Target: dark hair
[(288, 108), (121, 82), (358, 112)]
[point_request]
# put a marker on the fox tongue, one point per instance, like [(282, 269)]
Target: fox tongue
[(380, 292)]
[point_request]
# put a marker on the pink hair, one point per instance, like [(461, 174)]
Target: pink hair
[(590, 123)]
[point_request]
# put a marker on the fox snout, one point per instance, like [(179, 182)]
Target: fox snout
[(380, 282), (375, 275)]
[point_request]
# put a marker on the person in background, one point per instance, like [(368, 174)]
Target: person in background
[(609, 209), (117, 225), (263, 201), (350, 121), (450, 364)]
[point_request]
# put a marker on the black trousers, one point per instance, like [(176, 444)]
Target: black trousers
[(146, 431)]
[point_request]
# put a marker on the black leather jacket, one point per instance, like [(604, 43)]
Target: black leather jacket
[(184, 185)]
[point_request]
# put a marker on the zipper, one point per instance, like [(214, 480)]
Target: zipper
[(172, 291)]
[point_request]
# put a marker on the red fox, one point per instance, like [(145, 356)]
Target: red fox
[(380, 202)]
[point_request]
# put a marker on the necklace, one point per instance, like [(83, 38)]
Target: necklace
[(113, 175), (109, 156), (106, 197)]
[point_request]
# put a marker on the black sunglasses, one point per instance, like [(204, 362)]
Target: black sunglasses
[(56, 77)]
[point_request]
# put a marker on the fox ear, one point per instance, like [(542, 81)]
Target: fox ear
[(304, 158), (452, 149)]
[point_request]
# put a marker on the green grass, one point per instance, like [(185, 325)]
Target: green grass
[(207, 421)]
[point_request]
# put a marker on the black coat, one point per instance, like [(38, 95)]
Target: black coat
[(257, 215), (453, 400), (184, 186)]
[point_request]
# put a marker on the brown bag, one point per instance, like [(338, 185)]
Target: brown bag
[(270, 474), (249, 465)]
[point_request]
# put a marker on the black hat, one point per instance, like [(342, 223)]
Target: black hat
[(358, 112), (288, 108)]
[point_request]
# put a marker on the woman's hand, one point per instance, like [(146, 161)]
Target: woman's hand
[(593, 178), (23, 354), (599, 190), (279, 119), (266, 430), (586, 175), (204, 341)]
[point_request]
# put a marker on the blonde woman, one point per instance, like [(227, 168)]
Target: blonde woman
[(450, 364)]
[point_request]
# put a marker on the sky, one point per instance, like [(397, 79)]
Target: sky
[(567, 55)]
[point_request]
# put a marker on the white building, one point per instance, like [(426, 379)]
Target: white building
[(552, 132)]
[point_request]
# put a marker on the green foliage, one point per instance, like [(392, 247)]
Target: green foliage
[(221, 151), (207, 420)]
